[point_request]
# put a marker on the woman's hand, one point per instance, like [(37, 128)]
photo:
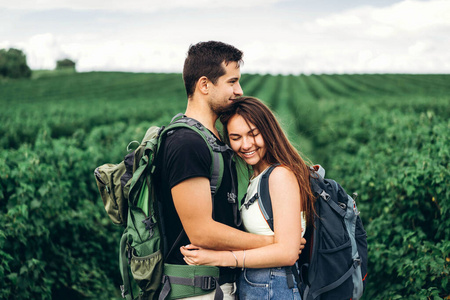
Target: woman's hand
[(194, 255)]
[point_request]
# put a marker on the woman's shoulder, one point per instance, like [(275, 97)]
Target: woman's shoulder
[(280, 175), (283, 185)]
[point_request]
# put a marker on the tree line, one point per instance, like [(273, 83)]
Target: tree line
[(13, 64)]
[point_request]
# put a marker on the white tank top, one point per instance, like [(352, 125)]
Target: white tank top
[(252, 217)]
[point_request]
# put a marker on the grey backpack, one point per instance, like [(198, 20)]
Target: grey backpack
[(337, 264)]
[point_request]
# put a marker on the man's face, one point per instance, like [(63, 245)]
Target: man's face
[(226, 89)]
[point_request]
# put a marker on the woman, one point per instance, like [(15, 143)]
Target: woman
[(254, 134)]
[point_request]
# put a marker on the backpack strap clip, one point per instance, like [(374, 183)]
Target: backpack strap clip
[(338, 208), (161, 129), (212, 141), (325, 196), (231, 197), (149, 224), (251, 201), (198, 125), (124, 293), (207, 283), (342, 205)]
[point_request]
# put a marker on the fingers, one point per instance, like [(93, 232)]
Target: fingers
[(189, 254), (302, 245), (187, 250), (191, 247), (189, 261)]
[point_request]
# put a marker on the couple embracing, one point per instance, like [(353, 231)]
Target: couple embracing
[(254, 258)]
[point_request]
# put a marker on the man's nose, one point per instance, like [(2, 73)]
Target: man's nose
[(238, 89)]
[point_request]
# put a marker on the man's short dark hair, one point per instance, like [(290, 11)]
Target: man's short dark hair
[(205, 59)]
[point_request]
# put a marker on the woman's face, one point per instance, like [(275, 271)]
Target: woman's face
[(247, 142)]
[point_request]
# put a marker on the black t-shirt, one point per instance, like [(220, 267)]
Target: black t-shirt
[(184, 154)]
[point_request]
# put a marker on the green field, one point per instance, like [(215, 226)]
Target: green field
[(384, 136)]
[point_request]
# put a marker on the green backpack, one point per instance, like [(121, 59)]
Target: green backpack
[(128, 194)]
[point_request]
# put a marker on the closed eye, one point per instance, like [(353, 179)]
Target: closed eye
[(234, 137), (233, 80), (254, 132)]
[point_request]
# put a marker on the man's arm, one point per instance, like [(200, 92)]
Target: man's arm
[(202, 230)]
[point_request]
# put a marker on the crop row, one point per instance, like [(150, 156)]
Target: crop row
[(81, 101)]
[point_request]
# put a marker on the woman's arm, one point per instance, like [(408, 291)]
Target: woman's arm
[(285, 196)]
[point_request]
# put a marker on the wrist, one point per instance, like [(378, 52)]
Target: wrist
[(235, 259), (226, 259), (268, 239)]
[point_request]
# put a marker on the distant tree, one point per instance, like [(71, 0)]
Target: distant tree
[(65, 64), (13, 64)]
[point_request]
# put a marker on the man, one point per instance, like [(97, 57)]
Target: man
[(211, 75)]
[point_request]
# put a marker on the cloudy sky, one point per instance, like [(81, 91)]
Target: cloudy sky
[(277, 36)]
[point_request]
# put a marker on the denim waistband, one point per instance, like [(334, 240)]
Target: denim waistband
[(278, 271)]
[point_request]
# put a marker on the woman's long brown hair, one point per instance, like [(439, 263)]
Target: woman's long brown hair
[(279, 149)]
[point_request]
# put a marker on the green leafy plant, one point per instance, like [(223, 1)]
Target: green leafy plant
[(384, 136)]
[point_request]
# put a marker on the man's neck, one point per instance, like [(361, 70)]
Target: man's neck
[(203, 114)]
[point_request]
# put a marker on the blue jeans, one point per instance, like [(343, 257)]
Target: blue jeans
[(266, 284)]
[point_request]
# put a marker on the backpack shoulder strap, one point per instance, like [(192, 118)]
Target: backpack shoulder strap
[(265, 202), (217, 165), (327, 190)]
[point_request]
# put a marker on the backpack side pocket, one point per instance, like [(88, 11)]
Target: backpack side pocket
[(108, 177), (147, 271)]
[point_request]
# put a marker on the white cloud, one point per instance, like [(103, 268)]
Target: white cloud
[(421, 48), (117, 55), (410, 36), (45, 49), (41, 50), (407, 16), (91, 53), (413, 15), (133, 5)]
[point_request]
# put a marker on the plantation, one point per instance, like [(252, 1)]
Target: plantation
[(383, 136)]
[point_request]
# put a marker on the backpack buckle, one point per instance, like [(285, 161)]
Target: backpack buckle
[(208, 283), (325, 196), (231, 198), (149, 224), (212, 141), (356, 262), (198, 125), (161, 130), (122, 289)]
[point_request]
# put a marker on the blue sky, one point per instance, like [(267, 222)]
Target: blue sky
[(277, 36)]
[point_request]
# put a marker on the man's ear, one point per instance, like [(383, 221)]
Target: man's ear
[(203, 85)]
